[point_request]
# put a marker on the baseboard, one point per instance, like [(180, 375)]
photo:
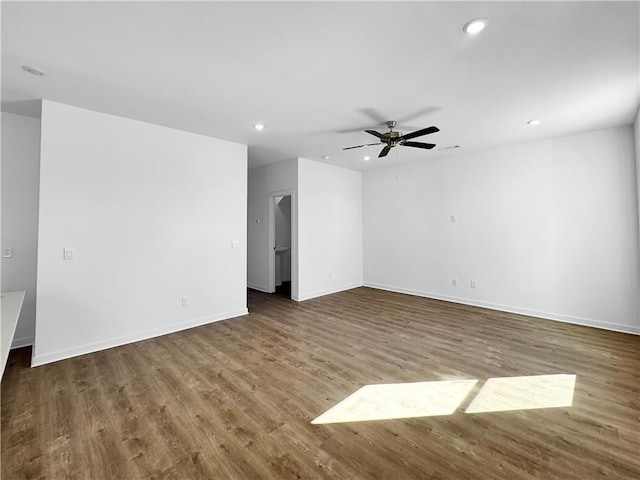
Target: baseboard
[(320, 293), (38, 360), (21, 342), (587, 322), (260, 288)]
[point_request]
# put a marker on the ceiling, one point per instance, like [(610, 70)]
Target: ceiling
[(318, 73)]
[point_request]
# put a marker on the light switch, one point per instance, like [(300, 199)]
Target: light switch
[(7, 252), (235, 245), (453, 219), (68, 254)]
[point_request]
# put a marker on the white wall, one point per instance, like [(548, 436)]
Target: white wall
[(548, 228), (20, 180), (282, 219), (140, 204), (636, 130), (329, 229), (263, 182)]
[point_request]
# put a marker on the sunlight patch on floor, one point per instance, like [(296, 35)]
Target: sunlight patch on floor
[(524, 393), (399, 400)]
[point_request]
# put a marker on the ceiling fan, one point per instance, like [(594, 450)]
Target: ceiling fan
[(390, 139)]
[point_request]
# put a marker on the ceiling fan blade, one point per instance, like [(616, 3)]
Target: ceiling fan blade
[(375, 134), (419, 133), (420, 113), (374, 115), (409, 128), (384, 151), (428, 146), (352, 130), (358, 146)]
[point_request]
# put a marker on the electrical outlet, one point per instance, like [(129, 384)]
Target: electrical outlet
[(473, 284), (7, 252), (185, 301), (454, 282)]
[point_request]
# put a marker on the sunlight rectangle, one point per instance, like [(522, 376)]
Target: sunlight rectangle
[(524, 393), (399, 400)]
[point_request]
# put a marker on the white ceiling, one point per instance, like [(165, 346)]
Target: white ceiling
[(313, 71)]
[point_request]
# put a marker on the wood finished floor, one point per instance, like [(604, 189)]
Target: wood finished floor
[(234, 399)]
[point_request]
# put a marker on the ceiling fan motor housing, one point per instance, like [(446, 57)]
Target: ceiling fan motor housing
[(390, 137)]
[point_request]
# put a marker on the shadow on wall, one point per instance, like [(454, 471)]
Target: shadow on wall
[(28, 108)]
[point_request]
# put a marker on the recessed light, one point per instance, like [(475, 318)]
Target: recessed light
[(533, 123), (326, 157), (366, 157), (475, 26), (33, 70), (258, 126)]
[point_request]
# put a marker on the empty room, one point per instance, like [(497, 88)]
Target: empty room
[(320, 240)]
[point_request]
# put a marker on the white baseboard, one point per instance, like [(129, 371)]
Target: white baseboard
[(38, 360), (21, 342), (320, 293), (587, 322)]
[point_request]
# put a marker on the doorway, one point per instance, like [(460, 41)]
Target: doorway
[(282, 244)]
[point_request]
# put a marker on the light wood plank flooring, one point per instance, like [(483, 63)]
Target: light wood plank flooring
[(234, 399)]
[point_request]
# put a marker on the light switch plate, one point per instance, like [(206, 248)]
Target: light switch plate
[(68, 254), (7, 252)]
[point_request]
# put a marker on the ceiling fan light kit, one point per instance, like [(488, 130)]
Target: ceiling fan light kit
[(392, 138)]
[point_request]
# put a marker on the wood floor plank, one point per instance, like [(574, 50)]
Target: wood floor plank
[(234, 399)]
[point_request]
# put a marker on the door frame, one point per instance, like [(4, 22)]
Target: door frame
[(294, 241)]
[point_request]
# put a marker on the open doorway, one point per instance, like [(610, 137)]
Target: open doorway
[(282, 244), (282, 256)]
